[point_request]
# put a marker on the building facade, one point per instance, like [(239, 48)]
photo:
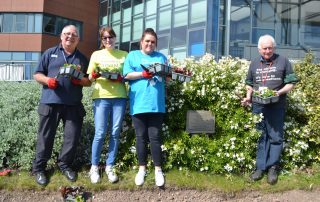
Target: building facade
[(29, 27), (222, 27), (185, 27)]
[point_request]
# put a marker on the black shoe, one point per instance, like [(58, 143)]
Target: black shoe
[(41, 178), (70, 175), (272, 175), (257, 175)]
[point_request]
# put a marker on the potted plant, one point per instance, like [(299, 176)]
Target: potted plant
[(181, 73), (158, 69), (265, 96), (71, 70), (110, 73)]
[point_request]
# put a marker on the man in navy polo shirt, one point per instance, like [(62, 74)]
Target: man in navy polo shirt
[(60, 100)]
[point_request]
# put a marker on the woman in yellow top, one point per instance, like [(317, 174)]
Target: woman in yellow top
[(109, 101)]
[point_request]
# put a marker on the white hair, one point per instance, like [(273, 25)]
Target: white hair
[(266, 38), (70, 26)]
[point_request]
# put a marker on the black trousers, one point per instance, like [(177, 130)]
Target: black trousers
[(148, 128), (50, 116)]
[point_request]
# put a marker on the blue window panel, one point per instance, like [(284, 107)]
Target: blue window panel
[(197, 49)]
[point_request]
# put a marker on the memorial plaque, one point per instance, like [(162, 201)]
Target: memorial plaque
[(200, 121)]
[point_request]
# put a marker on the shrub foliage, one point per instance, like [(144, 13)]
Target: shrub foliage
[(215, 86)]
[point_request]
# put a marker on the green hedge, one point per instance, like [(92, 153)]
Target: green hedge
[(213, 87)]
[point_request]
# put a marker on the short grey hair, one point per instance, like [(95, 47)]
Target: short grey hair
[(73, 26), (264, 38)]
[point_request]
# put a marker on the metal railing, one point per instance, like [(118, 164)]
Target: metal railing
[(17, 71)]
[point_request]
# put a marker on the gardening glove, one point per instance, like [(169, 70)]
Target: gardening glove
[(95, 75), (52, 83), (147, 75), (75, 81)]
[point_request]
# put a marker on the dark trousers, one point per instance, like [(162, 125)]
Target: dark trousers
[(270, 143), (50, 116), (148, 129)]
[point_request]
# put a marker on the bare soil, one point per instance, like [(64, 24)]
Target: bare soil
[(167, 195)]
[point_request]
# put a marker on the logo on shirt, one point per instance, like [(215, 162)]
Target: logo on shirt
[(54, 56)]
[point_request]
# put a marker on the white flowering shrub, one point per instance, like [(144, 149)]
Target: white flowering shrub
[(216, 86)]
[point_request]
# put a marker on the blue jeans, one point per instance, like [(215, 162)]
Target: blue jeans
[(270, 143), (103, 109)]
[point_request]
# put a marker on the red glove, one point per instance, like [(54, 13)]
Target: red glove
[(147, 75), (53, 83), (95, 75), (75, 81)]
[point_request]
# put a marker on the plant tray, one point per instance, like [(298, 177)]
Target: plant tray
[(110, 75), (69, 71), (180, 77), (264, 101), (158, 69)]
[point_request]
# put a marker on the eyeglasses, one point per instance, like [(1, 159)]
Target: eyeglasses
[(267, 48), (104, 38), (68, 34)]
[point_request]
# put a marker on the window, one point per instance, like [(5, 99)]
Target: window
[(126, 32), (137, 7), (165, 19), (38, 23), (198, 12), (1, 23), (8, 25), (21, 23), (126, 11), (196, 43), (6, 56), (137, 27), (151, 22), (49, 24), (30, 23), (151, 7), (104, 13)]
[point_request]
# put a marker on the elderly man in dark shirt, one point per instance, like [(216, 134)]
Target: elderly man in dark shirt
[(60, 100), (269, 71)]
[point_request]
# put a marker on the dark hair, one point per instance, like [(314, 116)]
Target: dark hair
[(103, 30), (151, 32)]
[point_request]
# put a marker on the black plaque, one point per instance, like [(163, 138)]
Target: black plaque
[(200, 121)]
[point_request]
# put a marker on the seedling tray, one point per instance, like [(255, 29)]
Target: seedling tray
[(180, 77), (110, 75), (264, 101), (71, 72), (158, 69)]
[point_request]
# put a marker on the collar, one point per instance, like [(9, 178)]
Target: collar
[(262, 60)]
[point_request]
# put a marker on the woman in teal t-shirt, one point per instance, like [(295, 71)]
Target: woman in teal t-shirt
[(147, 103)]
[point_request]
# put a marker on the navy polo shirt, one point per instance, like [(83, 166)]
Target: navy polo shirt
[(49, 65)]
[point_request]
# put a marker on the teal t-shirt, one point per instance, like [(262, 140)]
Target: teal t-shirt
[(145, 95)]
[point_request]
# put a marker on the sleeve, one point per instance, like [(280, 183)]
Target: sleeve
[(43, 64), (92, 63), (249, 78), (290, 76), (127, 66)]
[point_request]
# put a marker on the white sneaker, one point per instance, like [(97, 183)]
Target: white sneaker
[(112, 176), (139, 180), (94, 174), (159, 178)]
